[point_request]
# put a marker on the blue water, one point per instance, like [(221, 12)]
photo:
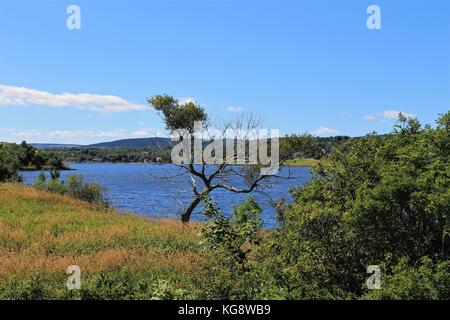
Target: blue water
[(160, 190)]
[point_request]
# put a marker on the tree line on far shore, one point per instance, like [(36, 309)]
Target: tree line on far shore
[(15, 157), (294, 146)]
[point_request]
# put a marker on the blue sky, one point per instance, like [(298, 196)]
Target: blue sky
[(299, 65)]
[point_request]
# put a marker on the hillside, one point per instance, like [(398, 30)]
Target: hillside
[(43, 233), (135, 143), (151, 142)]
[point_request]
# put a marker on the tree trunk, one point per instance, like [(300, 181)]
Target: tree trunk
[(186, 215)]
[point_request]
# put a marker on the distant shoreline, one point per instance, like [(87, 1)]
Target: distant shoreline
[(289, 163), (45, 168)]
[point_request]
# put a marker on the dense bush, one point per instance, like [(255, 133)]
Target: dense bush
[(30, 158), (382, 201), (9, 163), (75, 187), (32, 288), (120, 284), (424, 280), (306, 146), (226, 268), (383, 196), (15, 157)]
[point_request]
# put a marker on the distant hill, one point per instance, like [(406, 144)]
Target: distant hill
[(124, 143), (134, 143), (54, 145)]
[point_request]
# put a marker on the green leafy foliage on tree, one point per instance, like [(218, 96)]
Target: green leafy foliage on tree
[(307, 146), (226, 270), (112, 155), (15, 157), (424, 280), (387, 195), (9, 163), (178, 115), (75, 187), (383, 200)]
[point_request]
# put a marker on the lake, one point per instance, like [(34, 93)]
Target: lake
[(158, 190)]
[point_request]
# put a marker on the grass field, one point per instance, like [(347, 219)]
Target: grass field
[(301, 162), (43, 233)]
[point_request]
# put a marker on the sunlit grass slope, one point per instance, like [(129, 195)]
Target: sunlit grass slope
[(43, 233)]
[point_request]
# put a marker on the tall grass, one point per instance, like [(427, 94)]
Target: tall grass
[(43, 233)]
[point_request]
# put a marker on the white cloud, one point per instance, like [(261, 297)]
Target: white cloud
[(146, 132), (20, 133), (370, 117), (324, 131), (235, 109), (388, 115), (22, 97), (394, 114), (65, 134)]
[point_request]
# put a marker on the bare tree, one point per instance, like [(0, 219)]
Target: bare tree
[(237, 161)]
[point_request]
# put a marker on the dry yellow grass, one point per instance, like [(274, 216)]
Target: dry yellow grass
[(46, 232)]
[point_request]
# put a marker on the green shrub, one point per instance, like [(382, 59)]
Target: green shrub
[(33, 288), (40, 183), (227, 267), (385, 195), (110, 286), (9, 163), (126, 285), (75, 187), (90, 192), (405, 281), (118, 284)]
